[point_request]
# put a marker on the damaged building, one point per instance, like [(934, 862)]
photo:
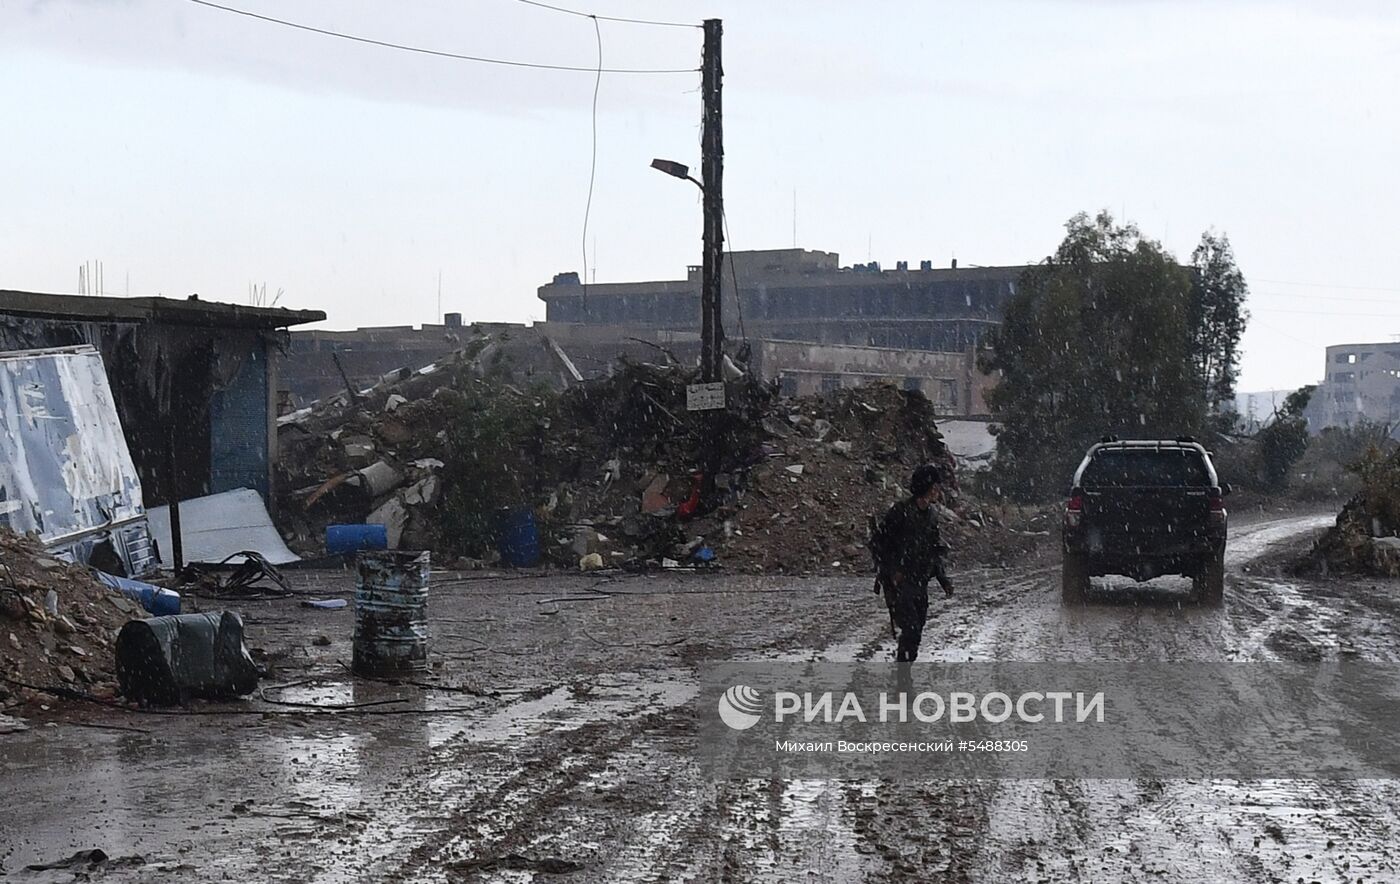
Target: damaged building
[(1361, 382), (194, 382), (918, 328), (810, 324)]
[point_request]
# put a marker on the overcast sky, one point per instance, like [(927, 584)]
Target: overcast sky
[(193, 150)]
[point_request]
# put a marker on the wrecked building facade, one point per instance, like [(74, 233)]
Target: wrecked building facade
[(788, 296), (194, 382), (318, 363), (1360, 382), (951, 381), (811, 326)]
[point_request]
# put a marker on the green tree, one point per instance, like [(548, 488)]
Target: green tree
[(492, 451), (1217, 319), (1097, 339), (1284, 440)]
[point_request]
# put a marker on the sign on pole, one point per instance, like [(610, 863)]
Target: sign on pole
[(704, 397)]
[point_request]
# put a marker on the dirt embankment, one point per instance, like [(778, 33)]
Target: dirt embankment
[(1366, 537)]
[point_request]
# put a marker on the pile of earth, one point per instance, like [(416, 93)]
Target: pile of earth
[(58, 624), (1366, 537)]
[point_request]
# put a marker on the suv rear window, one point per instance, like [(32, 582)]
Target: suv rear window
[(1119, 468)]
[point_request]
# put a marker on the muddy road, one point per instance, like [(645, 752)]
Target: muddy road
[(552, 740)]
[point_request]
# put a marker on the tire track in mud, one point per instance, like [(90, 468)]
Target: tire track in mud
[(1192, 830), (607, 780)]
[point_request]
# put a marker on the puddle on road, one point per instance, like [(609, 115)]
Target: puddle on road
[(622, 695)]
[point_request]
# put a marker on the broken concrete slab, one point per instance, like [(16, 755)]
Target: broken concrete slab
[(654, 498), (393, 515), (379, 479)]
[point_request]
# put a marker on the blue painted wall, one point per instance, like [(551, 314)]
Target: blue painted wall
[(238, 417)]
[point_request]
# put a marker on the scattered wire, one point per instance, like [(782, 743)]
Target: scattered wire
[(593, 162), (630, 21), (439, 53)]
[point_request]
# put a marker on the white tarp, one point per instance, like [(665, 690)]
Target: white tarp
[(215, 527), (969, 440)]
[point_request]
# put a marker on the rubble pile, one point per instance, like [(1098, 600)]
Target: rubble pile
[(612, 468), (58, 624), (369, 458), (1366, 536), (831, 461)]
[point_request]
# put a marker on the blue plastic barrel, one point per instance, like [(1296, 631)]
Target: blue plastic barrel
[(353, 538), (155, 599), (518, 541)]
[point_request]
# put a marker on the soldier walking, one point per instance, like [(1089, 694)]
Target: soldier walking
[(908, 552)]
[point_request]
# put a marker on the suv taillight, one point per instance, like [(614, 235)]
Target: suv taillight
[(1217, 504), (1074, 509)]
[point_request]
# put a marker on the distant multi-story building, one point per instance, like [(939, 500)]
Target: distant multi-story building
[(816, 325), (812, 325), (801, 295), (1361, 381)]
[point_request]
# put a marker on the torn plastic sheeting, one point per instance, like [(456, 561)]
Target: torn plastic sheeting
[(155, 599), (168, 660), (221, 525), (65, 467)]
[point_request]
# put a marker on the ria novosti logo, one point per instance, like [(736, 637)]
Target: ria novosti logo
[(739, 707)]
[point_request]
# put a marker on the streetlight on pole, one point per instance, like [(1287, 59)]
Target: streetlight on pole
[(711, 330), (709, 394), (712, 196)]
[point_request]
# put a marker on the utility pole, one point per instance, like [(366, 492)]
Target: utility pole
[(712, 174)]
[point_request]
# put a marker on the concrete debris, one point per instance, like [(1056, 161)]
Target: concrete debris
[(612, 467), (50, 607), (590, 562), (378, 479), (654, 498), (393, 515)]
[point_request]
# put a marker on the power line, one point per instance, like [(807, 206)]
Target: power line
[(1328, 285), (436, 52), (1278, 331), (593, 163), (1346, 299), (630, 21), (1332, 313)]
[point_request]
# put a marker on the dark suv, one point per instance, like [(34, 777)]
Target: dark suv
[(1143, 509)]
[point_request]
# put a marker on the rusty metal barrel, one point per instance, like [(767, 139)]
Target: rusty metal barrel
[(391, 613)]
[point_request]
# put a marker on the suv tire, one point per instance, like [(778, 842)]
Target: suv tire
[(1209, 582), (1074, 582)]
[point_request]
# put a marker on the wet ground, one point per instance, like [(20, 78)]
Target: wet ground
[(551, 740)]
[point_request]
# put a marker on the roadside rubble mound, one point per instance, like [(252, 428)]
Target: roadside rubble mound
[(58, 624), (611, 468), (1366, 536), (797, 484), (372, 458)]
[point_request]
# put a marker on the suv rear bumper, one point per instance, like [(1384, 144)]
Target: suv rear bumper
[(1143, 558)]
